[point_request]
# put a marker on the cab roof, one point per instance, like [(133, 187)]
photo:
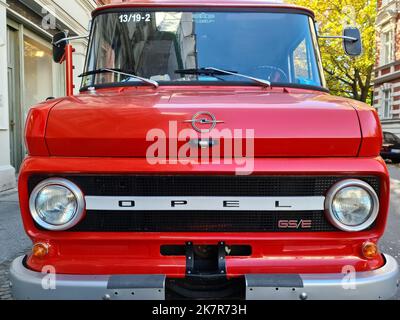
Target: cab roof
[(202, 4)]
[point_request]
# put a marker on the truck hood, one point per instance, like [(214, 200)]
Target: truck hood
[(113, 123)]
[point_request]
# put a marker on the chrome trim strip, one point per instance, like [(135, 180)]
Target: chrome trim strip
[(100, 203)]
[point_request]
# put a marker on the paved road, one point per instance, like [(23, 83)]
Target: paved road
[(14, 242), (390, 242), (12, 236), (394, 171)]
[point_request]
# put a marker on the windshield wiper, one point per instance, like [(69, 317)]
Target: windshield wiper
[(121, 72), (210, 71)]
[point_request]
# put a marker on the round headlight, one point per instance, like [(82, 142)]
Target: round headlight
[(352, 205), (57, 204)]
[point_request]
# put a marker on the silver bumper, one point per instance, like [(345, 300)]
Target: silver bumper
[(29, 285), (378, 284), (373, 285)]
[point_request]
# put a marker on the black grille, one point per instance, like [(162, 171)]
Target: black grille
[(202, 221), (197, 221), (246, 186)]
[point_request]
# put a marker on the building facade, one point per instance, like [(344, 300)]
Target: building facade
[(27, 72), (387, 71)]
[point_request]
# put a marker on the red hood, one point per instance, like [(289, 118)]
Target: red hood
[(115, 124)]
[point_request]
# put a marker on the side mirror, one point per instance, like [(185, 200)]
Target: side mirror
[(59, 46), (352, 42)]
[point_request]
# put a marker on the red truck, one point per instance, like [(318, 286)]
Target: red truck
[(203, 158)]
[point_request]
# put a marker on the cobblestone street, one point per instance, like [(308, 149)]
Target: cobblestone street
[(13, 240), (5, 293)]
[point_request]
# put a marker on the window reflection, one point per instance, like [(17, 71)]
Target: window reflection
[(38, 73)]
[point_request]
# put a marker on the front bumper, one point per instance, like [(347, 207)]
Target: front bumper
[(379, 284)]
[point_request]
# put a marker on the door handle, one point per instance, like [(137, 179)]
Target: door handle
[(12, 124), (203, 144)]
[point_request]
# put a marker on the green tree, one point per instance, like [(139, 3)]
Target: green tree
[(346, 76)]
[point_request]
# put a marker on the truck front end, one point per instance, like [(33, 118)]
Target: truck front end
[(204, 158)]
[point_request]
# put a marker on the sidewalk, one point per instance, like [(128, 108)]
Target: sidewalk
[(9, 196)]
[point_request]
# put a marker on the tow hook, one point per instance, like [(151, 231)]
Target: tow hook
[(206, 261)]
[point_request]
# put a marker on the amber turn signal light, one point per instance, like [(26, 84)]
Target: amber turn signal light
[(40, 250), (370, 250)]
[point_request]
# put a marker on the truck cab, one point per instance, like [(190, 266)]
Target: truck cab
[(204, 157)]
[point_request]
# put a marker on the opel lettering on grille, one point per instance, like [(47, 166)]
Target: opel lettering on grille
[(177, 203)]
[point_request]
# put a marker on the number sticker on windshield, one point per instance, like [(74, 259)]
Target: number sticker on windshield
[(204, 17), (135, 17)]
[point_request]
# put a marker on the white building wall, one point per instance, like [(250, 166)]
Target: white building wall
[(393, 127), (7, 173), (387, 74), (75, 14)]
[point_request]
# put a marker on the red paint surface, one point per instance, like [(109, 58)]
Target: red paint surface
[(115, 124), (204, 3)]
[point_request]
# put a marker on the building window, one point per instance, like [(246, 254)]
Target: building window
[(387, 103), (32, 77), (38, 72), (387, 47)]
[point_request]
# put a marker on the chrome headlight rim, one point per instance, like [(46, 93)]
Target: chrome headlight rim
[(76, 191), (346, 184)]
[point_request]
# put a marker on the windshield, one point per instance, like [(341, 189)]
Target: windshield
[(176, 47)]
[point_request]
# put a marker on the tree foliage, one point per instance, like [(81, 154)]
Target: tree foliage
[(346, 76)]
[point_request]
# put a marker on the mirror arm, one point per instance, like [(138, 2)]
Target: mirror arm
[(70, 39), (339, 37), (352, 40)]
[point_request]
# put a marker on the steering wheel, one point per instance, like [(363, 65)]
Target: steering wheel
[(274, 74)]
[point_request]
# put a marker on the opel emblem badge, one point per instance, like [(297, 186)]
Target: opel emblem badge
[(204, 122)]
